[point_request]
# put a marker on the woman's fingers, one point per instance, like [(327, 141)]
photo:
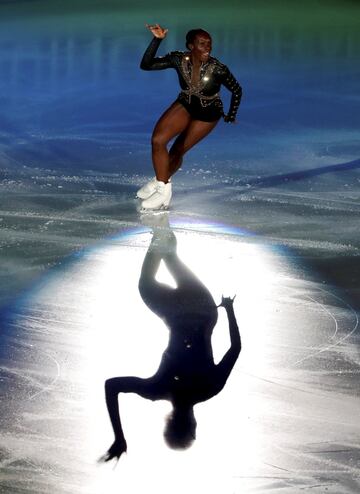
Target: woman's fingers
[(226, 301), (157, 30)]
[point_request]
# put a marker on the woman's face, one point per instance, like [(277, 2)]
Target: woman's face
[(201, 47)]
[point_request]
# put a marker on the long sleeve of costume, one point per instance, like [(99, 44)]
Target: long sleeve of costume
[(150, 62), (234, 87)]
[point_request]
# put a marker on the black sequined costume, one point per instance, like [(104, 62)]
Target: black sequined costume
[(202, 100)]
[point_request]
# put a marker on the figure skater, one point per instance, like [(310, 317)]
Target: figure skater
[(187, 374), (195, 112)]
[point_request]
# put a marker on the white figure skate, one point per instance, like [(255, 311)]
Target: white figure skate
[(147, 190), (160, 199)]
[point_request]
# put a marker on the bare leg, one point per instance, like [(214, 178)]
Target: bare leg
[(195, 131), (171, 123), (191, 295), (159, 297)]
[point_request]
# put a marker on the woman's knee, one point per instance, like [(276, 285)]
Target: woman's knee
[(159, 140), (147, 289), (142, 286)]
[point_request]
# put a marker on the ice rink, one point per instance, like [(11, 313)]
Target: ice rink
[(267, 209)]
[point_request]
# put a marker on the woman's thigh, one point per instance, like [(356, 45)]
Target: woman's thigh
[(160, 298), (192, 134), (171, 123)]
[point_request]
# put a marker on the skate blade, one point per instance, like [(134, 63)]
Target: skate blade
[(142, 198), (163, 209)]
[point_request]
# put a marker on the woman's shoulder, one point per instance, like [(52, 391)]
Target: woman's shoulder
[(174, 57), (177, 54), (220, 67)]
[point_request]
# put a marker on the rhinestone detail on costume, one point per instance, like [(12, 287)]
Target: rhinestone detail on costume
[(206, 70)]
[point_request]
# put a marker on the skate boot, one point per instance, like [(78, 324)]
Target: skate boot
[(160, 199), (147, 190)]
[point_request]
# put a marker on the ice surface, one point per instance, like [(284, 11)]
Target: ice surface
[(286, 419), (267, 208)]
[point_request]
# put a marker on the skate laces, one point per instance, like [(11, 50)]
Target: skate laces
[(160, 187)]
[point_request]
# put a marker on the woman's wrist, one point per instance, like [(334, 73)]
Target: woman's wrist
[(229, 118)]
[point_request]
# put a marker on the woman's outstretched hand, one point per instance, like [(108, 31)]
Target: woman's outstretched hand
[(115, 451), (227, 302), (157, 30)]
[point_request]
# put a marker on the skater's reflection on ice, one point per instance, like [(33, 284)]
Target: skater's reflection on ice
[(187, 374)]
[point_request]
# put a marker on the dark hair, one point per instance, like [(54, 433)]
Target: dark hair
[(191, 35), (180, 430)]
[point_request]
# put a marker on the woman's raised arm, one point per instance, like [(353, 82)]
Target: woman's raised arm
[(149, 61), (113, 387)]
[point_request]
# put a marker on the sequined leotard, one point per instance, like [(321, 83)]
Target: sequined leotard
[(202, 100)]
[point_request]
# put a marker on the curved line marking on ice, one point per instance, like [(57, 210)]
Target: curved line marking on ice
[(49, 386), (328, 312), (341, 340)]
